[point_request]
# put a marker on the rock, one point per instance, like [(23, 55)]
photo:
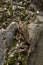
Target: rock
[(10, 31), (6, 38), (34, 30), (4, 25), (14, 7), (40, 18), (37, 2), (32, 8), (34, 33), (2, 47)]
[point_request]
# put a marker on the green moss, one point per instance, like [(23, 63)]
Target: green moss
[(23, 14), (22, 61), (11, 60), (15, 59)]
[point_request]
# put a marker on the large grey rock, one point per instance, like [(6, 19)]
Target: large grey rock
[(6, 38), (35, 29), (10, 32), (34, 33)]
